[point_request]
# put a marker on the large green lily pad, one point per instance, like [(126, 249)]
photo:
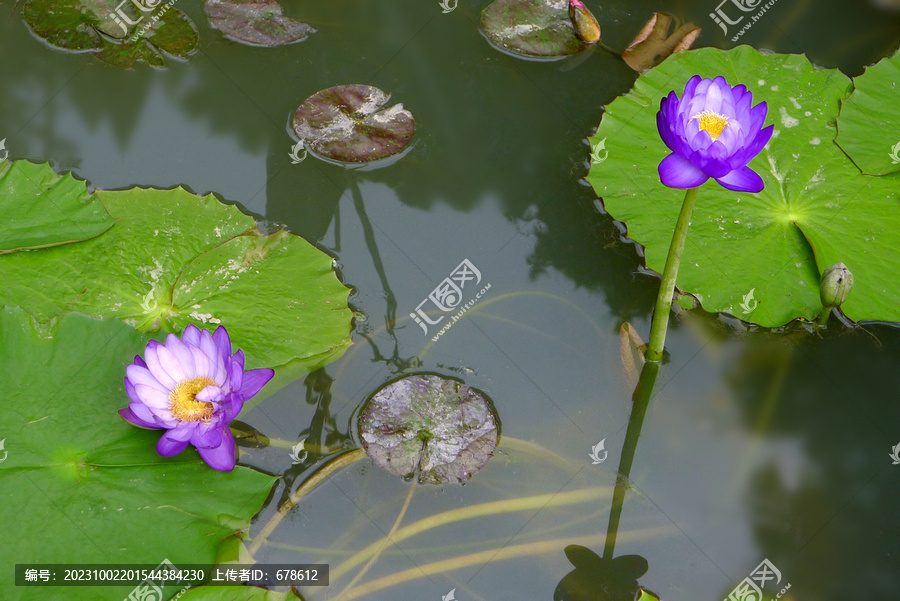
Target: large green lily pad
[(255, 22), (116, 32), (540, 29), (86, 486), (869, 123), (174, 258), (51, 209), (236, 593), (817, 209), (435, 427), (350, 124)]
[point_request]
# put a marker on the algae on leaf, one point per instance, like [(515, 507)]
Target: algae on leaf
[(115, 32), (538, 29), (172, 259)]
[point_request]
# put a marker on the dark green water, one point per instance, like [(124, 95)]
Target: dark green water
[(755, 445)]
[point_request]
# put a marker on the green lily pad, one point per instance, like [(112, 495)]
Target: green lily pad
[(51, 209), (433, 426), (540, 29), (117, 33), (174, 258), (869, 123), (349, 124), (817, 209), (255, 22), (236, 593), (88, 487)]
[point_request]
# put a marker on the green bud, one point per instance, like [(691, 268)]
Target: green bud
[(835, 285)]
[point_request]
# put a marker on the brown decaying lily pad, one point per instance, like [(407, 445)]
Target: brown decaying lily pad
[(653, 44), (255, 22), (349, 124), (540, 29), (428, 425)]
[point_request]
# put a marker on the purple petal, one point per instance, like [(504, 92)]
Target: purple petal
[(156, 368), (223, 343), (744, 179), (168, 445), (759, 142), (138, 361), (152, 397), (676, 172), (142, 375), (220, 458), (207, 436), (210, 394), (170, 364), (191, 335), (182, 354), (255, 379), (233, 406), (129, 416)]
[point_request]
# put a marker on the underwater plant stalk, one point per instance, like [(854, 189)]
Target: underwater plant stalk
[(660, 321), (640, 401), (314, 480)]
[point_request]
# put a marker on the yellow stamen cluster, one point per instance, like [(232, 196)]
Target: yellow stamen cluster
[(713, 123), (183, 402)]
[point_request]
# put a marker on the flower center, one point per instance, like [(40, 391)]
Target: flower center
[(183, 402), (712, 123)]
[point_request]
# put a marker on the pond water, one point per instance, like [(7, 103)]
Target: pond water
[(756, 445)]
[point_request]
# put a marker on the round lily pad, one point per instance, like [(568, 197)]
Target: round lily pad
[(255, 22), (540, 29), (349, 124), (432, 426), (117, 33)]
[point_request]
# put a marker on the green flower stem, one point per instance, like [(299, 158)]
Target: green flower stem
[(823, 316), (667, 287)]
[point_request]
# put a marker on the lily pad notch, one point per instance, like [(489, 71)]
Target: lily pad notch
[(430, 427)]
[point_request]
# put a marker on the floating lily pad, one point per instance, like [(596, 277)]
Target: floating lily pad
[(87, 486), (116, 32), (172, 259), (50, 209), (255, 22), (869, 123), (435, 427), (533, 28), (350, 124), (817, 209), (236, 593)]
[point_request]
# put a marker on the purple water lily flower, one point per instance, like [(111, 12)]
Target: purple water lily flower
[(713, 133), (192, 387)]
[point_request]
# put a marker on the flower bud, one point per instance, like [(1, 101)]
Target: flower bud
[(835, 285)]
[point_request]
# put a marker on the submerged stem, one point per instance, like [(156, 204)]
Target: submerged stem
[(667, 287), (317, 478)]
